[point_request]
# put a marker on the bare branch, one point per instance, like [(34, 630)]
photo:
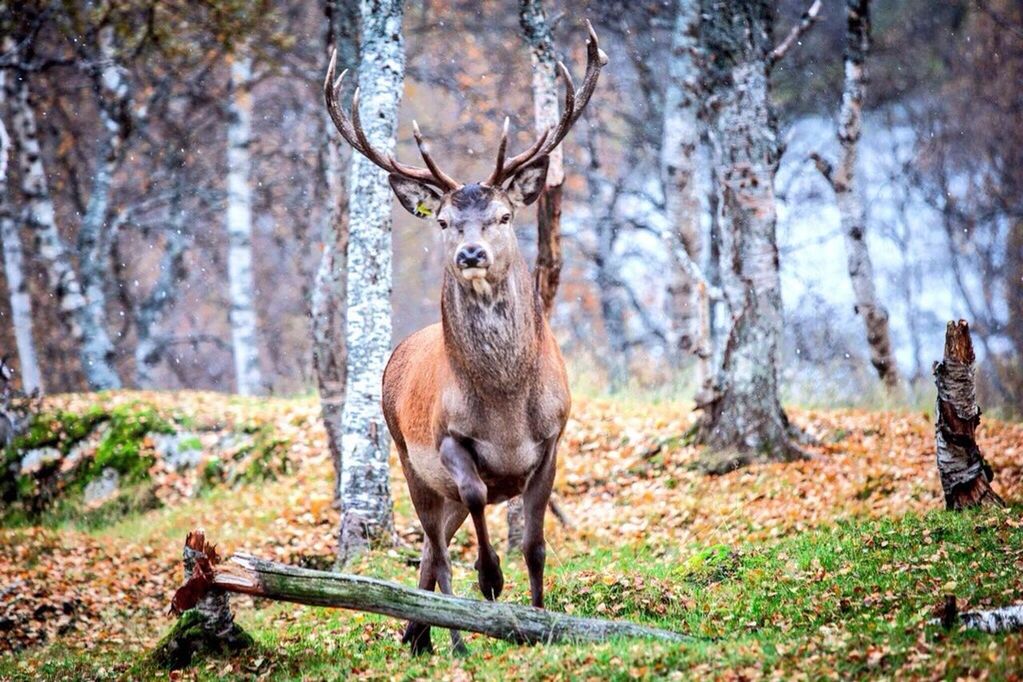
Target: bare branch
[(805, 22)]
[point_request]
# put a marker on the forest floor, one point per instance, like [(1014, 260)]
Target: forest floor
[(831, 567)]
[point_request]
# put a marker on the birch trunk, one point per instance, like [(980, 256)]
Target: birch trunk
[(244, 333), (965, 476), (537, 33), (111, 91), (92, 341), (688, 299), (14, 271), (329, 293), (153, 309), (601, 197), (744, 419), (848, 195), (366, 516)]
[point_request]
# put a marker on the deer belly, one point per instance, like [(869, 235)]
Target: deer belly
[(500, 463)]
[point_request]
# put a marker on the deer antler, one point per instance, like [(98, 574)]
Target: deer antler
[(575, 103), (351, 130)]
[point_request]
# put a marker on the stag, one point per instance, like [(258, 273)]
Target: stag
[(477, 403)]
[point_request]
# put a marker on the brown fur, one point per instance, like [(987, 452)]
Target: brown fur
[(477, 403)]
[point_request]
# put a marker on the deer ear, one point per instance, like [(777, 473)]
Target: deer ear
[(528, 182), (418, 198)]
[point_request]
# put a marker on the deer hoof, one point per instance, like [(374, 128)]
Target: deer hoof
[(491, 579), (417, 636)]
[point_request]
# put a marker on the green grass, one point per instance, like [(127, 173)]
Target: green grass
[(848, 601)]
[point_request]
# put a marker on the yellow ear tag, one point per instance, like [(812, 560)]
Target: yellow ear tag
[(423, 210)]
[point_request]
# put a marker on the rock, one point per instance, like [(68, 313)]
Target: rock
[(178, 451), (103, 488), (36, 459)]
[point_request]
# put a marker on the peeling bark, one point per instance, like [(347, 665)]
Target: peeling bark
[(366, 516), (14, 272), (329, 293), (207, 624), (849, 196), (965, 475), (744, 419), (244, 324), (246, 574), (537, 33)]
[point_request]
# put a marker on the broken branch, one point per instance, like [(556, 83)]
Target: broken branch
[(251, 575)]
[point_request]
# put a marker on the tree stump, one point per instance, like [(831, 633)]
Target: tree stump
[(965, 475), (206, 626)]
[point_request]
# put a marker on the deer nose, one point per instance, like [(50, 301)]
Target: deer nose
[(471, 256)]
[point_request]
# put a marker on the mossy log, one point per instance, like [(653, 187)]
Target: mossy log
[(247, 574)]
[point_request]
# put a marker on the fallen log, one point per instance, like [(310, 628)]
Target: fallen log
[(1003, 619), (965, 475), (247, 574)]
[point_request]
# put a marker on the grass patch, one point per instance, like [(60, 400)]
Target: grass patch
[(850, 600)]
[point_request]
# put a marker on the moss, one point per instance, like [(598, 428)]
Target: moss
[(121, 446), (188, 639), (265, 458), (60, 429)]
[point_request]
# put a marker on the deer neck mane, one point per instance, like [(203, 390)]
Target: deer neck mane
[(492, 337)]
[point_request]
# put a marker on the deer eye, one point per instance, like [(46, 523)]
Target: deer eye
[(506, 218), (443, 224)]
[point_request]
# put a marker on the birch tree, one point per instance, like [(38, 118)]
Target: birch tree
[(849, 195), (366, 516), (14, 271), (241, 283), (111, 92), (537, 33), (328, 302), (88, 333), (744, 417), (689, 294), (151, 310)]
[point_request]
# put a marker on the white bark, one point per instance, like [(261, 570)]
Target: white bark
[(111, 90), (689, 298), (849, 196), (1004, 619), (365, 487), (14, 271), (92, 340), (244, 325), (745, 414), (328, 300), (537, 33)]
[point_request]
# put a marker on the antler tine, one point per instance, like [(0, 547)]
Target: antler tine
[(367, 147), (351, 130), (502, 148), (337, 113), (424, 151), (575, 103)]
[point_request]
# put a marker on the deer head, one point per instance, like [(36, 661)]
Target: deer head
[(475, 219)]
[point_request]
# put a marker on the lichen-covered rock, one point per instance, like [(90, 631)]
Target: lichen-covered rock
[(36, 459), (102, 489), (180, 450)]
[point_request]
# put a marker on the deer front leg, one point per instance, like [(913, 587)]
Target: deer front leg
[(459, 462), (534, 506)]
